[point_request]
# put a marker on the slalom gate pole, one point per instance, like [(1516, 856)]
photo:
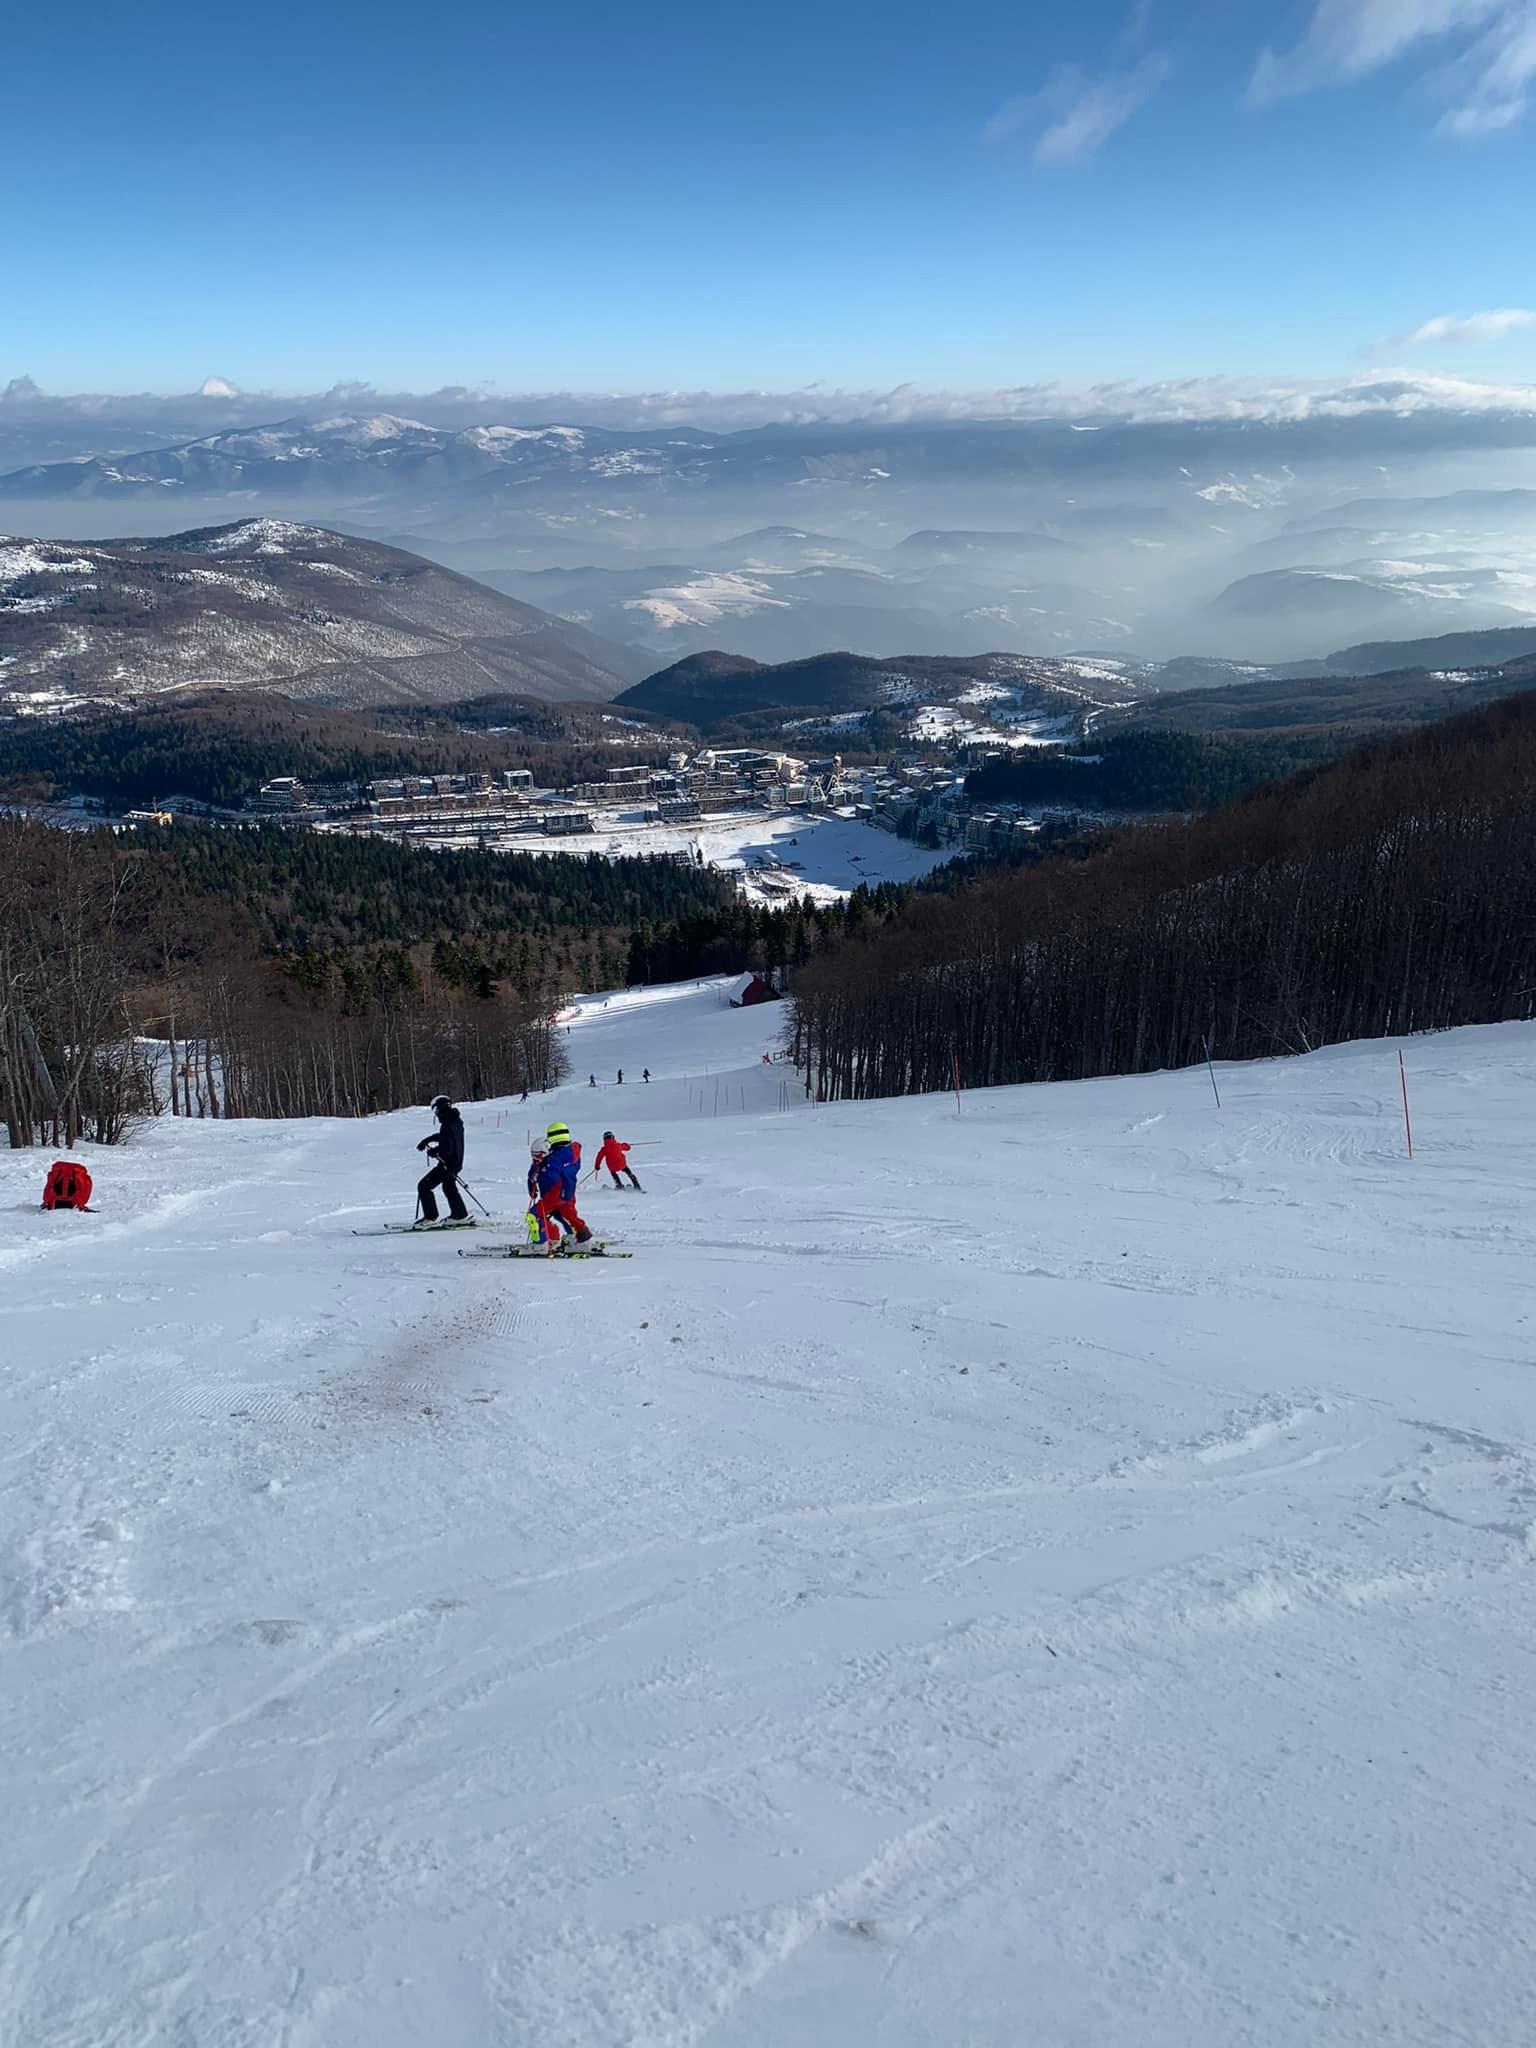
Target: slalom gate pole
[(1210, 1069), (954, 1062), (1402, 1074)]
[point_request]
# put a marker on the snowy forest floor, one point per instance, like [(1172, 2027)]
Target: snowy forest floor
[(1060, 1574)]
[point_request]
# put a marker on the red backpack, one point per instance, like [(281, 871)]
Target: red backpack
[(68, 1186)]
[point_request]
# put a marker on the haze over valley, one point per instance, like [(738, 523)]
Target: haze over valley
[(1377, 510)]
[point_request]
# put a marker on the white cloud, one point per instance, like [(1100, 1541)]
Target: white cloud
[(1491, 87), (1076, 112), (1487, 82), (1191, 400), (1348, 39), (1456, 328)]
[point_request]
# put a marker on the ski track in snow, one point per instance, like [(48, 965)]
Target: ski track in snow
[(1089, 1601)]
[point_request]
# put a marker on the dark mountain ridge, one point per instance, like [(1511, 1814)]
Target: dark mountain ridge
[(712, 688), (266, 604)]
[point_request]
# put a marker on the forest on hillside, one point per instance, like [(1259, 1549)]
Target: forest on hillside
[(1148, 771), (1392, 891), (220, 746), (265, 972), (295, 974), (294, 889)]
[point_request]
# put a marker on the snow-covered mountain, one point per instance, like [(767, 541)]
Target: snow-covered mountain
[(350, 457), (267, 603), (1096, 1608), (1286, 614), (884, 536)]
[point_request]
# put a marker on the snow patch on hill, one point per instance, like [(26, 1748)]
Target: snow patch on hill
[(703, 599), (24, 558), (257, 536)]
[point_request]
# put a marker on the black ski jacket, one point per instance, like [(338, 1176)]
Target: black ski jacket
[(447, 1143)]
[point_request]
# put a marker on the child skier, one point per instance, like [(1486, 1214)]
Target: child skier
[(616, 1158), (445, 1147), (534, 1219), (557, 1178)]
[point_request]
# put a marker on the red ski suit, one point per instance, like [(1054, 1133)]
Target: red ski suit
[(613, 1155), (557, 1179)]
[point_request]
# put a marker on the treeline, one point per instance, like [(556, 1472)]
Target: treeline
[(119, 998), (1392, 891), (69, 1064), (1145, 771), (309, 889), (221, 747), (737, 935), (740, 935), (343, 1037), (266, 972)]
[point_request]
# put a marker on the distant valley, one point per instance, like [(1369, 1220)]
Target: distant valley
[(325, 617), (1253, 540)]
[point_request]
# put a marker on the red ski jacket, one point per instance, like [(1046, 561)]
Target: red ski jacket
[(613, 1155)]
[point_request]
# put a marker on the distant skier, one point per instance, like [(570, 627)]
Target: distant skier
[(646, 1075), (591, 1080), (621, 1077), (616, 1158), (558, 1175), (446, 1149)]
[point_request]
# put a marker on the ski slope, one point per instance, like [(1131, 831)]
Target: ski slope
[(1058, 1575)]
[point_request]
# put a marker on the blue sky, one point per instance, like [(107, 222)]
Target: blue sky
[(693, 196)]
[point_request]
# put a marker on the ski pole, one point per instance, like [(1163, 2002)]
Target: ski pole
[(464, 1184), (1211, 1070)]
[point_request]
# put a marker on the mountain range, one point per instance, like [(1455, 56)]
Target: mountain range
[(273, 605), (1264, 541), (321, 616), (355, 457)]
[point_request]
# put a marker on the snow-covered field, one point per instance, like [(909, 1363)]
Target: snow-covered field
[(1060, 1574), (835, 854)]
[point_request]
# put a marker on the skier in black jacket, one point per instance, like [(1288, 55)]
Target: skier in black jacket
[(446, 1147)]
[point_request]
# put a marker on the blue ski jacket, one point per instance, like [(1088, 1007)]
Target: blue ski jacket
[(561, 1171)]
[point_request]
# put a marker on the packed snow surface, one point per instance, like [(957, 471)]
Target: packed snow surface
[(831, 856), (1061, 1573)]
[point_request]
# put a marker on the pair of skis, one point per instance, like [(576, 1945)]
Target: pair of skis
[(420, 1229), (595, 1250), (537, 1251)]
